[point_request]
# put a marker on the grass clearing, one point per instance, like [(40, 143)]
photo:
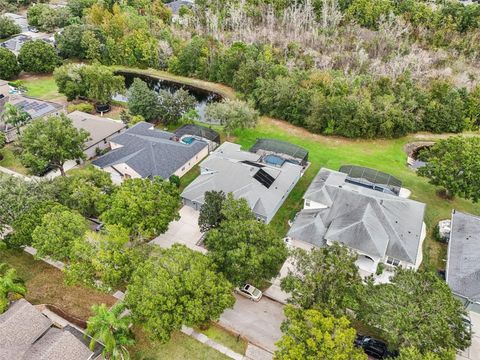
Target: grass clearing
[(180, 347), (11, 160), (226, 338), (42, 87), (45, 285)]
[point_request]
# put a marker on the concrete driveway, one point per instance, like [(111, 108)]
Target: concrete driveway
[(183, 231), (258, 322)]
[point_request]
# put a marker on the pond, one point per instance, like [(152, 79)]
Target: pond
[(202, 96)]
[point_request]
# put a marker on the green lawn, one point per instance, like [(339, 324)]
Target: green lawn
[(42, 87), (384, 155), (11, 160), (221, 336), (180, 347)]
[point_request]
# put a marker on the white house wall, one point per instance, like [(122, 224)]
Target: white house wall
[(192, 162)]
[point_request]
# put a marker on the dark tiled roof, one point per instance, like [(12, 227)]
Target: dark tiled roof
[(150, 152)]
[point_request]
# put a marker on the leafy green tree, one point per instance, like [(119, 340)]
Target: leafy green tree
[(19, 196), (8, 27), (411, 353), (454, 164), (245, 250), (143, 101), (102, 83), (175, 287), (325, 278), (192, 59), (52, 141), (15, 117), (78, 7), (105, 260), (10, 284), (86, 190), (172, 106), (369, 12), (143, 206), (69, 41), (70, 81), (232, 114), (111, 328), (56, 233), (27, 222), (445, 109), (46, 18), (309, 334), (415, 309), (38, 56), (211, 210), (9, 67)]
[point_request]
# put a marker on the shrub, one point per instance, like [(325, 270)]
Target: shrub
[(85, 107)]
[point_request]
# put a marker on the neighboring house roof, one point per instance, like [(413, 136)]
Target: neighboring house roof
[(375, 223), (309, 227), (99, 128), (25, 333), (176, 5), (19, 20), (200, 131), (34, 107), (240, 172), (15, 43), (150, 152), (463, 265), (20, 326)]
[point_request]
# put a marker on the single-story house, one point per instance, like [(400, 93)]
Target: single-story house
[(188, 131), (145, 152), (25, 333), (101, 130), (378, 225), (463, 265), (245, 175), (15, 43), (34, 107)]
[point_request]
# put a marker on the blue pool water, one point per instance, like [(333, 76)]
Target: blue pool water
[(188, 140), (274, 160)]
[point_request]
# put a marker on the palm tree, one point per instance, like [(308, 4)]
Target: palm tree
[(111, 329), (15, 117), (10, 284)]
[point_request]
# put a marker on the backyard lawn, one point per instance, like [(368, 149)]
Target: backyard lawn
[(42, 87)]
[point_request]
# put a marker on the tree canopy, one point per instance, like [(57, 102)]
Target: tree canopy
[(175, 287), (52, 141), (9, 67), (454, 164), (232, 114), (211, 215), (311, 335), (415, 309), (143, 101), (145, 207), (325, 278), (38, 56), (10, 284), (245, 250)]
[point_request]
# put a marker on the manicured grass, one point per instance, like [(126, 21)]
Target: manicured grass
[(45, 285), (191, 175), (42, 87), (221, 336), (384, 155), (11, 160), (180, 347)]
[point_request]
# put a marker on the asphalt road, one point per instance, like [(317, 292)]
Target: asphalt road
[(258, 322)]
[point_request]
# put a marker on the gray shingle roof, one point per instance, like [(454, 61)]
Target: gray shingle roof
[(150, 152), (463, 265), (176, 5), (309, 227), (98, 127), (231, 170), (20, 326), (370, 221)]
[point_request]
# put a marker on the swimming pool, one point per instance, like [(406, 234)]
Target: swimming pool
[(274, 160), (188, 140)]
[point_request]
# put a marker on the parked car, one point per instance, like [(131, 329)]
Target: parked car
[(375, 348), (249, 291)]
